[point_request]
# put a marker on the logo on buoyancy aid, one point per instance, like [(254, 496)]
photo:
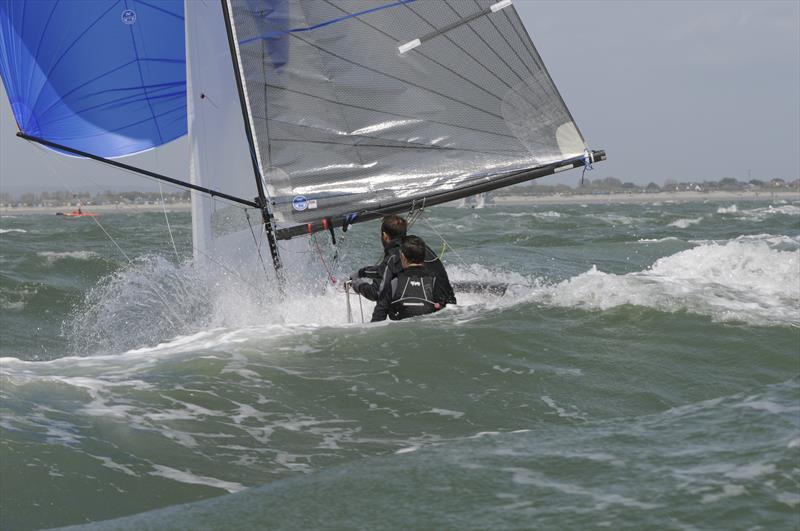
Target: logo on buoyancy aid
[(415, 283)]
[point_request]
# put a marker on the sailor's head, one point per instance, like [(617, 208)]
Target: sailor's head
[(393, 228), (412, 251)]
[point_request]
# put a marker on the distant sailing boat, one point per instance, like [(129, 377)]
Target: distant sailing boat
[(313, 114)]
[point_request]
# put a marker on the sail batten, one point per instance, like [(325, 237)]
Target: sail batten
[(346, 122)]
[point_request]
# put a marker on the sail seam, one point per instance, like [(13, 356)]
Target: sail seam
[(434, 60), (273, 34), (447, 124), (401, 80)]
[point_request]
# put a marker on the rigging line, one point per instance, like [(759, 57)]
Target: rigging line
[(405, 81), (461, 48), (361, 308), (322, 259), (395, 40), (112, 239), (169, 229), (258, 247), (446, 124), (445, 241), (50, 165)]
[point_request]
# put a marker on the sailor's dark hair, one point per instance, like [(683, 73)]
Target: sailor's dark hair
[(413, 248), (394, 226)]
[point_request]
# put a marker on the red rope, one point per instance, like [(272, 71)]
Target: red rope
[(321, 257)]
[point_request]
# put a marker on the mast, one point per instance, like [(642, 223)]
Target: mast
[(261, 200)]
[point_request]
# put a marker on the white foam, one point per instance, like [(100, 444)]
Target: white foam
[(728, 491), (562, 412), (194, 479), (407, 450), (750, 471), (761, 214), (446, 412), (549, 215), (727, 210), (685, 223), (792, 499), (659, 240), (739, 281), (6, 231), (51, 256)]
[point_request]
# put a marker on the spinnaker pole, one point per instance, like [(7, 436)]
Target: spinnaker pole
[(141, 171)]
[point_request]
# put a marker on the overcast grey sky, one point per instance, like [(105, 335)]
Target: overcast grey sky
[(686, 90)]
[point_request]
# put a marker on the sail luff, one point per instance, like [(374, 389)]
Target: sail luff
[(255, 153)]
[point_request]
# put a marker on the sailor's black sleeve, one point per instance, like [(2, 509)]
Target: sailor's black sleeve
[(436, 269), (388, 269), (383, 305)]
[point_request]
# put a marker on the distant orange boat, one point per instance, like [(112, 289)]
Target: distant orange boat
[(77, 214)]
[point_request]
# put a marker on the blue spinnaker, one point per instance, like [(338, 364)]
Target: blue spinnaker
[(103, 76)]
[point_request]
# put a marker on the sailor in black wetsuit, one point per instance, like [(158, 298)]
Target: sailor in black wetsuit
[(414, 291), (370, 281)]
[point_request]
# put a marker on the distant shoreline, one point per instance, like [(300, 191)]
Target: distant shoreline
[(183, 206), (656, 197), (550, 199)]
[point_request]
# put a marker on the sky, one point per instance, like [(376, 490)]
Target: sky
[(672, 90)]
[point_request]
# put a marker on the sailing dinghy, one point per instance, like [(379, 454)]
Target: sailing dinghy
[(302, 115)]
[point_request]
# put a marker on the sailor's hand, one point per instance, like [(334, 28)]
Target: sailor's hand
[(357, 283)]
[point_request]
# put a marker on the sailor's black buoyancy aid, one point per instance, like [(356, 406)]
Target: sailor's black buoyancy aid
[(412, 294)]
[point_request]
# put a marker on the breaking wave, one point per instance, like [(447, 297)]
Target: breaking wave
[(741, 280)]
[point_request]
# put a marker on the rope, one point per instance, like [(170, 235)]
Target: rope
[(112, 239), (445, 242), (169, 229), (322, 259)]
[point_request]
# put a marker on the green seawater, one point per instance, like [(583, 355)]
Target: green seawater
[(641, 372)]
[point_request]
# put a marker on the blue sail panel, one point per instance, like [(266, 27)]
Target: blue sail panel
[(103, 76)]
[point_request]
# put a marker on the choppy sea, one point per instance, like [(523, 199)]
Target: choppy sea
[(642, 371)]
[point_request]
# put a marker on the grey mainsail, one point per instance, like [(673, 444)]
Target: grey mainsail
[(358, 107)]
